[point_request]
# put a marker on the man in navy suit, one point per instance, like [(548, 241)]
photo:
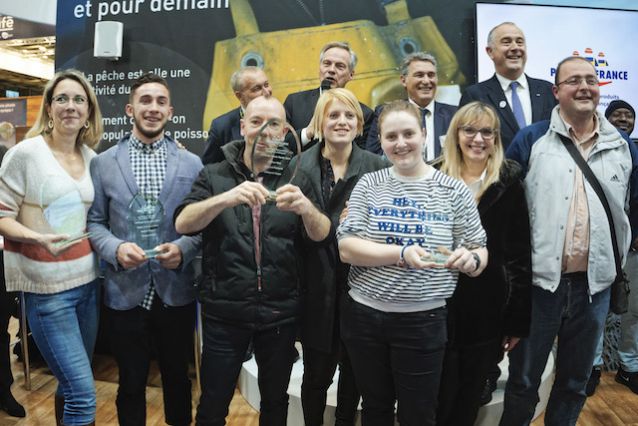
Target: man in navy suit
[(149, 298), (420, 79), (531, 101), (247, 83), (336, 68)]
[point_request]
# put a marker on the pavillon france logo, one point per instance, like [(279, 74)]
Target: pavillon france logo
[(606, 73)]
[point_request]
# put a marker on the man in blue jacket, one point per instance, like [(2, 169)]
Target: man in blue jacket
[(150, 298), (572, 257)]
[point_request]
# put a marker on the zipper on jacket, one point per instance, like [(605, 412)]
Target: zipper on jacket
[(257, 225)]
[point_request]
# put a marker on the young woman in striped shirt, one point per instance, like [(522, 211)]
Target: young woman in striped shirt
[(409, 232)]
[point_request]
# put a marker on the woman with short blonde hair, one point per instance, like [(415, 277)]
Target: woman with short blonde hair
[(334, 166)]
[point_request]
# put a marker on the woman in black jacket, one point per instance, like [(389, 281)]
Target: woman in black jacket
[(488, 314), (333, 166)]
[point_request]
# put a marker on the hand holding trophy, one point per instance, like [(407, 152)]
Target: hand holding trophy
[(64, 213), (274, 147), (145, 215)]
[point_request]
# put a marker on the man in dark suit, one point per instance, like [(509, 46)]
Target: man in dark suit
[(336, 68), (520, 100), (247, 83), (420, 79), (150, 297)]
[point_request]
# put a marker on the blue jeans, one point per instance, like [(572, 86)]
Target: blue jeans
[(628, 345), (578, 323), (64, 326), (395, 357), (225, 347)]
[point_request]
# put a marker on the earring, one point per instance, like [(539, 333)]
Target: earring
[(50, 123), (86, 125)]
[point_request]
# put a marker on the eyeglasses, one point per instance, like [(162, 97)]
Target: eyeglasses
[(470, 132), (576, 81), (64, 99)]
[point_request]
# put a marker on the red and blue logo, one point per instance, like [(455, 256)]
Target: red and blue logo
[(606, 74)]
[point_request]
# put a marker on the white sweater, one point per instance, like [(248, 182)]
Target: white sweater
[(30, 179)]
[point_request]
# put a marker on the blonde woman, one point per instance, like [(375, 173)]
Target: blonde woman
[(59, 279), (334, 166), (488, 314)]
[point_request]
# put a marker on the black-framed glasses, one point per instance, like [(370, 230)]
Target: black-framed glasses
[(64, 99), (470, 132), (576, 81)]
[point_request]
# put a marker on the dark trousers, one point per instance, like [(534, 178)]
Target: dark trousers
[(395, 356), (6, 307), (135, 335), (319, 368), (224, 350), (465, 369)]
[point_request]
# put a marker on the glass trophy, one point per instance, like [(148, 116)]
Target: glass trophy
[(438, 256), (273, 149), (63, 208), (145, 215)]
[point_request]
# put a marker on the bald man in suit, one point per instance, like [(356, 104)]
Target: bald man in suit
[(530, 101)]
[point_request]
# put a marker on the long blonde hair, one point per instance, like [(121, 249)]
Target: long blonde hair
[(91, 135), (453, 163)]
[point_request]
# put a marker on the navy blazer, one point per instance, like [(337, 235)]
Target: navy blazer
[(443, 114), (491, 92), (223, 129), (300, 107), (115, 187)]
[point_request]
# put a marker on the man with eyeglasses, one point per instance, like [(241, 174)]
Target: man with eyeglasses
[(572, 257), (519, 100)]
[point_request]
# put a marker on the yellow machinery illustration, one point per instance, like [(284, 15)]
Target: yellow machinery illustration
[(290, 58)]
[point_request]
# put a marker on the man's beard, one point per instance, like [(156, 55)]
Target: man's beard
[(151, 134)]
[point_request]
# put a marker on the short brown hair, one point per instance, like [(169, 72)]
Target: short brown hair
[(149, 77)]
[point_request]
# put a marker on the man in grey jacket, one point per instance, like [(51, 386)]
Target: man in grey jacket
[(149, 296), (572, 257)]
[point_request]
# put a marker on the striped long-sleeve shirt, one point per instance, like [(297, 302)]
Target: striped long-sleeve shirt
[(431, 211)]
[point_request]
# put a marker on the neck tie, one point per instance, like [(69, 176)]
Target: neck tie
[(517, 107), (424, 115)]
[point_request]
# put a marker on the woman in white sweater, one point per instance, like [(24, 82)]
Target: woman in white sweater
[(45, 190), (410, 230)]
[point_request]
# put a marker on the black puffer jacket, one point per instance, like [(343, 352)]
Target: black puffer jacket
[(497, 303), (229, 287)]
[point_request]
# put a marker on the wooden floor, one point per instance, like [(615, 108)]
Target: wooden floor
[(612, 405)]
